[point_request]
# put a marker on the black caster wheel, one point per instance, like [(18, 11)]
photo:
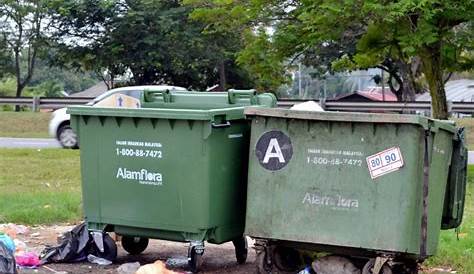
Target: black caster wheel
[(110, 249), (134, 245), (195, 257), (287, 259), (241, 249), (369, 266)]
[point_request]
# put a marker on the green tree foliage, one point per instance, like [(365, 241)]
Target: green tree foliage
[(435, 34), (152, 39), (22, 27)]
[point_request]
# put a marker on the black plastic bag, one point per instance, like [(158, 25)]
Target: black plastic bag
[(73, 247), (7, 260)]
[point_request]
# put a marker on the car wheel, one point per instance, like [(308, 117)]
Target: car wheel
[(67, 137)]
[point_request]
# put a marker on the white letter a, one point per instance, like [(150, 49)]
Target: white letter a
[(270, 154)]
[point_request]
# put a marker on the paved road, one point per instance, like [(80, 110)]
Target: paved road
[(28, 143)]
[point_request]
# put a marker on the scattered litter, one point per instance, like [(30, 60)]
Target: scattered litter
[(7, 260), (97, 260), (128, 268), (72, 247), (177, 262), (28, 259), (308, 106), (36, 234), (13, 230), (20, 246), (307, 270), (8, 242), (157, 267), (334, 264)]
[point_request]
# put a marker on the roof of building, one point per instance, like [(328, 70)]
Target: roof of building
[(456, 91), (373, 94), (93, 91)]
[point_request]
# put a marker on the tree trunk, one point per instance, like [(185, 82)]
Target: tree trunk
[(432, 68), (409, 88), (222, 78)]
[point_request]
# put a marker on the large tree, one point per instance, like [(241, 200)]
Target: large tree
[(154, 40), (432, 34), (22, 27)]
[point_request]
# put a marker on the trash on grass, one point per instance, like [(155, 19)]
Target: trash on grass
[(7, 260), (128, 268)]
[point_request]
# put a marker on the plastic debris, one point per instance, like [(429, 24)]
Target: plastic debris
[(128, 268), (308, 106), (7, 260), (8, 242), (307, 270), (177, 262), (157, 267), (13, 230), (20, 246), (28, 259), (97, 260), (73, 247), (334, 264)]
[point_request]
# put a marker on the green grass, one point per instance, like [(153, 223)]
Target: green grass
[(454, 253), (24, 124), (468, 123), (39, 186)]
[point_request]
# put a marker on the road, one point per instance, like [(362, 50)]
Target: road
[(7, 142)]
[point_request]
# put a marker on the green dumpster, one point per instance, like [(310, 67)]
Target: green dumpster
[(373, 186), (174, 169)]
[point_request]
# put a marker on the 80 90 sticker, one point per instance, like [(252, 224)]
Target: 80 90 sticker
[(385, 162)]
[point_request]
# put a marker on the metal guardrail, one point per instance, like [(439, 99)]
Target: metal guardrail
[(457, 107)]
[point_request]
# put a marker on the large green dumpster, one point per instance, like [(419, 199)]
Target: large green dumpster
[(364, 185), (175, 169)]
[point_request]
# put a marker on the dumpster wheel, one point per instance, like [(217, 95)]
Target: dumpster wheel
[(195, 252), (110, 249), (134, 245), (241, 249), (369, 266)]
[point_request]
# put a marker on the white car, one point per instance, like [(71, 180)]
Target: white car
[(59, 126)]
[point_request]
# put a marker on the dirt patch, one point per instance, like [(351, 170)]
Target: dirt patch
[(216, 259)]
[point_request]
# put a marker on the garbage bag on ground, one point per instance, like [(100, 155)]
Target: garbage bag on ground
[(27, 259), (7, 260), (8, 242), (73, 247)]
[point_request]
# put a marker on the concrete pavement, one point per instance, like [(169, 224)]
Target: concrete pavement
[(7, 142)]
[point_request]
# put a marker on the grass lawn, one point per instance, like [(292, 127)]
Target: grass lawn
[(39, 186), (454, 253), (24, 124)]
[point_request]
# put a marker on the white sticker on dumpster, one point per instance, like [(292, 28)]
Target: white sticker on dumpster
[(385, 162)]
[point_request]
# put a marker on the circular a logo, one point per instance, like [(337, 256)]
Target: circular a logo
[(274, 150)]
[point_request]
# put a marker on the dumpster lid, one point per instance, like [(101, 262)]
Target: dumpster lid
[(233, 113), (425, 122)]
